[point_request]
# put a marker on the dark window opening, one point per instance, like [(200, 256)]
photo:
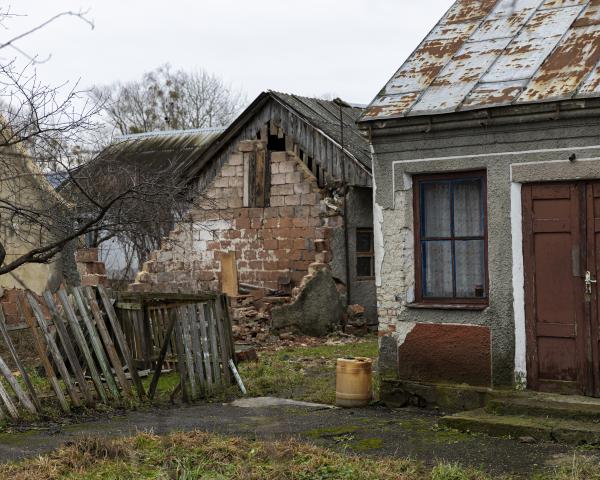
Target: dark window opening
[(276, 144), (365, 254), (451, 238)]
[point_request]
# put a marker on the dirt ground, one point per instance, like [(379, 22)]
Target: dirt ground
[(403, 433)]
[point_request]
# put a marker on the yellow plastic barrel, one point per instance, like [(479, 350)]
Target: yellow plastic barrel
[(353, 382)]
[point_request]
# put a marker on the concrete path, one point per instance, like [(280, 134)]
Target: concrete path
[(371, 431)]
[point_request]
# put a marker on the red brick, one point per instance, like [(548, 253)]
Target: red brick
[(255, 264), (300, 222), (255, 212), (256, 223), (241, 223), (271, 244), (287, 244), (271, 223), (299, 244), (86, 255)]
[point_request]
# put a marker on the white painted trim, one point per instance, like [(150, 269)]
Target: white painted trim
[(378, 243), (498, 154), (518, 279)]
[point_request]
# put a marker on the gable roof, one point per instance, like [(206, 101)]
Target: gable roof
[(298, 116), (488, 53)]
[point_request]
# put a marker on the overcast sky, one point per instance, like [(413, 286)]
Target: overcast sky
[(348, 48)]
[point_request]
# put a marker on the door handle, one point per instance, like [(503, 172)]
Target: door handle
[(589, 281)]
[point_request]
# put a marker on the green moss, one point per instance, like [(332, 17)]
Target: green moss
[(366, 444), (328, 432)]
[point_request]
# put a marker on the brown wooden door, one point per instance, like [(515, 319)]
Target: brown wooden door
[(558, 312), (593, 264)]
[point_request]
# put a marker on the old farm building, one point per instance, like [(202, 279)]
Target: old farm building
[(269, 203), (487, 171)]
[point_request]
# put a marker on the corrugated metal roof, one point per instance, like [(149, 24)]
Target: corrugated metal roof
[(164, 151), (486, 53)]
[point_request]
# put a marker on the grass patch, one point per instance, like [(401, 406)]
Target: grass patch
[(302, 373), (196, 455), (200, 455)]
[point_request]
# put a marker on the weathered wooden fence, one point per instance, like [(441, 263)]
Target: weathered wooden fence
[(91, 351), (191, 333)]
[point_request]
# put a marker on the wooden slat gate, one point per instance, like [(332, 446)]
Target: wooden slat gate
[(191, 333)]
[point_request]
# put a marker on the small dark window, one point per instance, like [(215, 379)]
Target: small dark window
[(451, 238), (365, 261)]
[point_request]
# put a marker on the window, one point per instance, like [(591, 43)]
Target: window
[(451, 238), (365, 261)]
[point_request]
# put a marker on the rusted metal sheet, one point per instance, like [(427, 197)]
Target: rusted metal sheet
[(493, 94), (460, 76), (566, 67), (419, 71), (496, 53), (467, 10)]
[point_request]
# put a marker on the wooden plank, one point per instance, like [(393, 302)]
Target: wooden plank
[(183, 381), (112, 317), (128, 306), (162, 355), (205, 348), (38, 343), (196, 345), (14, 384), (214, 348), (187, 348), (96, 342), (147, 337), (237, 376), (229, 277), (10, 406), (82, 343), (223, 340), (17, 360), (229, 329), (107, 340), (65, 340), (260, 179), (137, 347), (54, 351)]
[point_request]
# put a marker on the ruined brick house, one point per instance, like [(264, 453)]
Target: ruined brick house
[(487, 170), (158, 155), (286, 186)]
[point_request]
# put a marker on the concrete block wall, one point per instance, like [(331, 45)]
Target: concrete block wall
[(271, 244)]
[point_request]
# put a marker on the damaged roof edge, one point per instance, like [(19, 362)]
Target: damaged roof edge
[(222, 141)]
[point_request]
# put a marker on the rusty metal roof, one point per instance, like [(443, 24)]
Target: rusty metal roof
[(488, 53)]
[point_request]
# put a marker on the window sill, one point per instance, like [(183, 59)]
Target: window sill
[(448, 306)]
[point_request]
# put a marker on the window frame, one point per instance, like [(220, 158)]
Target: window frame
[(370, 254), (448, 302)]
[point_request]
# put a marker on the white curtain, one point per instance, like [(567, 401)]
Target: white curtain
[(439, 268)]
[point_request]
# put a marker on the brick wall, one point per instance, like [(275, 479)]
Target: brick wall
[(272, 244)]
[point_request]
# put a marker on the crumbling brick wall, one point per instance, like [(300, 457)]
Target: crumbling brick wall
[(92, 271), (272, 244)]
